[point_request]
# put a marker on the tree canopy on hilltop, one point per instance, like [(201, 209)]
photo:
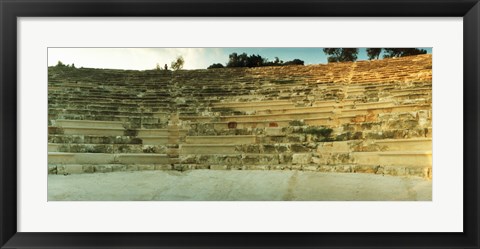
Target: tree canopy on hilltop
[(254, 60), (374, 53), (341, 54)]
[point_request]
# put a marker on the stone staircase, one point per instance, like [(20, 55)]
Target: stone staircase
[(366, 117)]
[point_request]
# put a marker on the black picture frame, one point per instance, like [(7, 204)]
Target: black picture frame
[(10, 10)]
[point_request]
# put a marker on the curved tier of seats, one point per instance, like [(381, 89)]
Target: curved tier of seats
[(367, 116)]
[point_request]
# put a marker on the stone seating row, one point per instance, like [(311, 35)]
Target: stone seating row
[(337, 69), (361, 162), (210, 136)]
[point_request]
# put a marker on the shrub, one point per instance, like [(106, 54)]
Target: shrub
[(324, 133), (294, 62), (296, 123), (215, 65), (178, 63)]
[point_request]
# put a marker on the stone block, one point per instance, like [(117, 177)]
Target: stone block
[(299, 148), (343, 168), (310, 167), (103, 168), (232, 159), (61, 170), (270, 159), (218, 167), (143, 167), (138, 158), (365, 169), (88, 168), (236, 167), (282, 148), (326, 168), (296, 167), (304, 158), (280, 167), (258, 167), (52, 169), (131, 167), (252, 148), (273, 131), (188, 159), (269, 148), (284, 158), (318, 159), (119, 167), (250, 160), (74, 169), (424, 172), (394, 170), (163, 167), (183, 167)]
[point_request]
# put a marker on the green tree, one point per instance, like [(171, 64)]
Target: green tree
[(400, 52), (236, 60), (178, 63), (255, 60), (373, 53), (341, 54), (294, 62), (215, 65)]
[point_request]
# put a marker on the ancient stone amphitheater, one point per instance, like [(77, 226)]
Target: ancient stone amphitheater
[(362, 117)]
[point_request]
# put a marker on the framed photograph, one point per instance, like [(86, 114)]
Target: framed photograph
[(167, 124)]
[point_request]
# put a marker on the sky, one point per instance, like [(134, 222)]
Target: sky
[(195, 58)]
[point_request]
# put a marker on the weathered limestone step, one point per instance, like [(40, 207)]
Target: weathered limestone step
[(104, 158), (219, 158), (416, 144), (370, 105), (376, 145), (394, 158), (208, 149), (296, 110), (219, 126), (65, 169), (154, 140), (80, 158), (275, 117), (92, 139), (412, 90), (348, 113), (425, 172), (227, 140), (247, 108), (147, 114), (269, 103), (107, 148), (197, 118), (327, 107), (87, 131), (89, 124), (160, 132), (109, 118), (330, 103)]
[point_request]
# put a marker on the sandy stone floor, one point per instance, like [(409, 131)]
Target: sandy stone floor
[(236, 185)]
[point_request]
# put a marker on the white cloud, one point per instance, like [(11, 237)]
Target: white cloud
[(135, 58)]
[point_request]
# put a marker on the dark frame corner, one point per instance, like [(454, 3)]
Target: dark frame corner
[(10, 10)]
